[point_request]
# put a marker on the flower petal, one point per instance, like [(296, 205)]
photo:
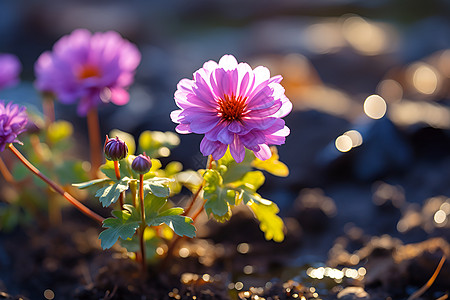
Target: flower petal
[(264, 152), (228, 62), (237, 149)]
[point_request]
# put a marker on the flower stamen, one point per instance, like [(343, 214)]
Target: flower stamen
[(232, 108), (89, 71)]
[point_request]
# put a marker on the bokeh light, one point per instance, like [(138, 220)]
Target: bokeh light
[(344, 143), (375, 107)]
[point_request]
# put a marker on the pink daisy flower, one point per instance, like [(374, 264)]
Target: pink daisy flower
[(13, 120), (93, 68), (10, 68), (233, 106)]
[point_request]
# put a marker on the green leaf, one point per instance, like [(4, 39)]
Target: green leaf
[(181, 225), (109, 194), (123, 226), (252, 180), (83, 185), (272, 165), (270, 223), (218, 201), (235, 171), (156, 186)]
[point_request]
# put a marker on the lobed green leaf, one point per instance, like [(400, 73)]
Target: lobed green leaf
[(270, 223), (109, 194), (123, 226)]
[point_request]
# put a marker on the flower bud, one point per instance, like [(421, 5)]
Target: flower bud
[(141, 164), (115, 149)]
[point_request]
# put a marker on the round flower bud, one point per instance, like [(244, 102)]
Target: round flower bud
[(115, 149), (141, 164)]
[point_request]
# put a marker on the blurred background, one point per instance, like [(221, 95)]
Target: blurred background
[(369, 145)]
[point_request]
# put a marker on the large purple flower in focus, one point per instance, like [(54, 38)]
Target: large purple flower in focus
[(13, 120), (10, 68), (233, 106), (92, 68)]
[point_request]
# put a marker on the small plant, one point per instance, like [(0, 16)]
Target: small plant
[(239, 110)]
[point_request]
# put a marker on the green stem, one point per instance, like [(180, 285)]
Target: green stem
[(116, 169), (81, 207), (143, 225)]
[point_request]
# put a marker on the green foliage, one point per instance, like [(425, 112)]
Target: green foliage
[(59, 131), (156, 214), (123, 226), (228, 184), (84, 185), (271, 224), (272, 165), (157, 143), (109, 194)]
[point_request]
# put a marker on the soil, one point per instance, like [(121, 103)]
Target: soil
[(66, 262)]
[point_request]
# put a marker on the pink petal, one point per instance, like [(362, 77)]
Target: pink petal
[(237, 149), (225, 136), (183, 129), (252, 138), (214, 148), (119, 96), (263, 153), (228, 62)]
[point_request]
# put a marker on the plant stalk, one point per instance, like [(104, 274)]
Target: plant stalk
[(195, 196), (143, 225), (94, 141), (6, 173), (116, 169), (177, 238), (48, 106), (81, 207)]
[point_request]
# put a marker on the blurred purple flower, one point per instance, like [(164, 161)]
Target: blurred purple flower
[(233, 106), (10, 68), (13, 120), (92, 68)]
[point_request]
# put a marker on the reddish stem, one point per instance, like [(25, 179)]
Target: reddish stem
[(81, 207), (94, 140), (5, 172), (116, 169), (48, 106), (195, 196), (143, 225), (177, 238)]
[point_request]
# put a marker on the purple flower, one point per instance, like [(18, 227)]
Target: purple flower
[(115, 149), (10, 68), (13, 120), (233, 106), (141, 164), (93, 68)]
